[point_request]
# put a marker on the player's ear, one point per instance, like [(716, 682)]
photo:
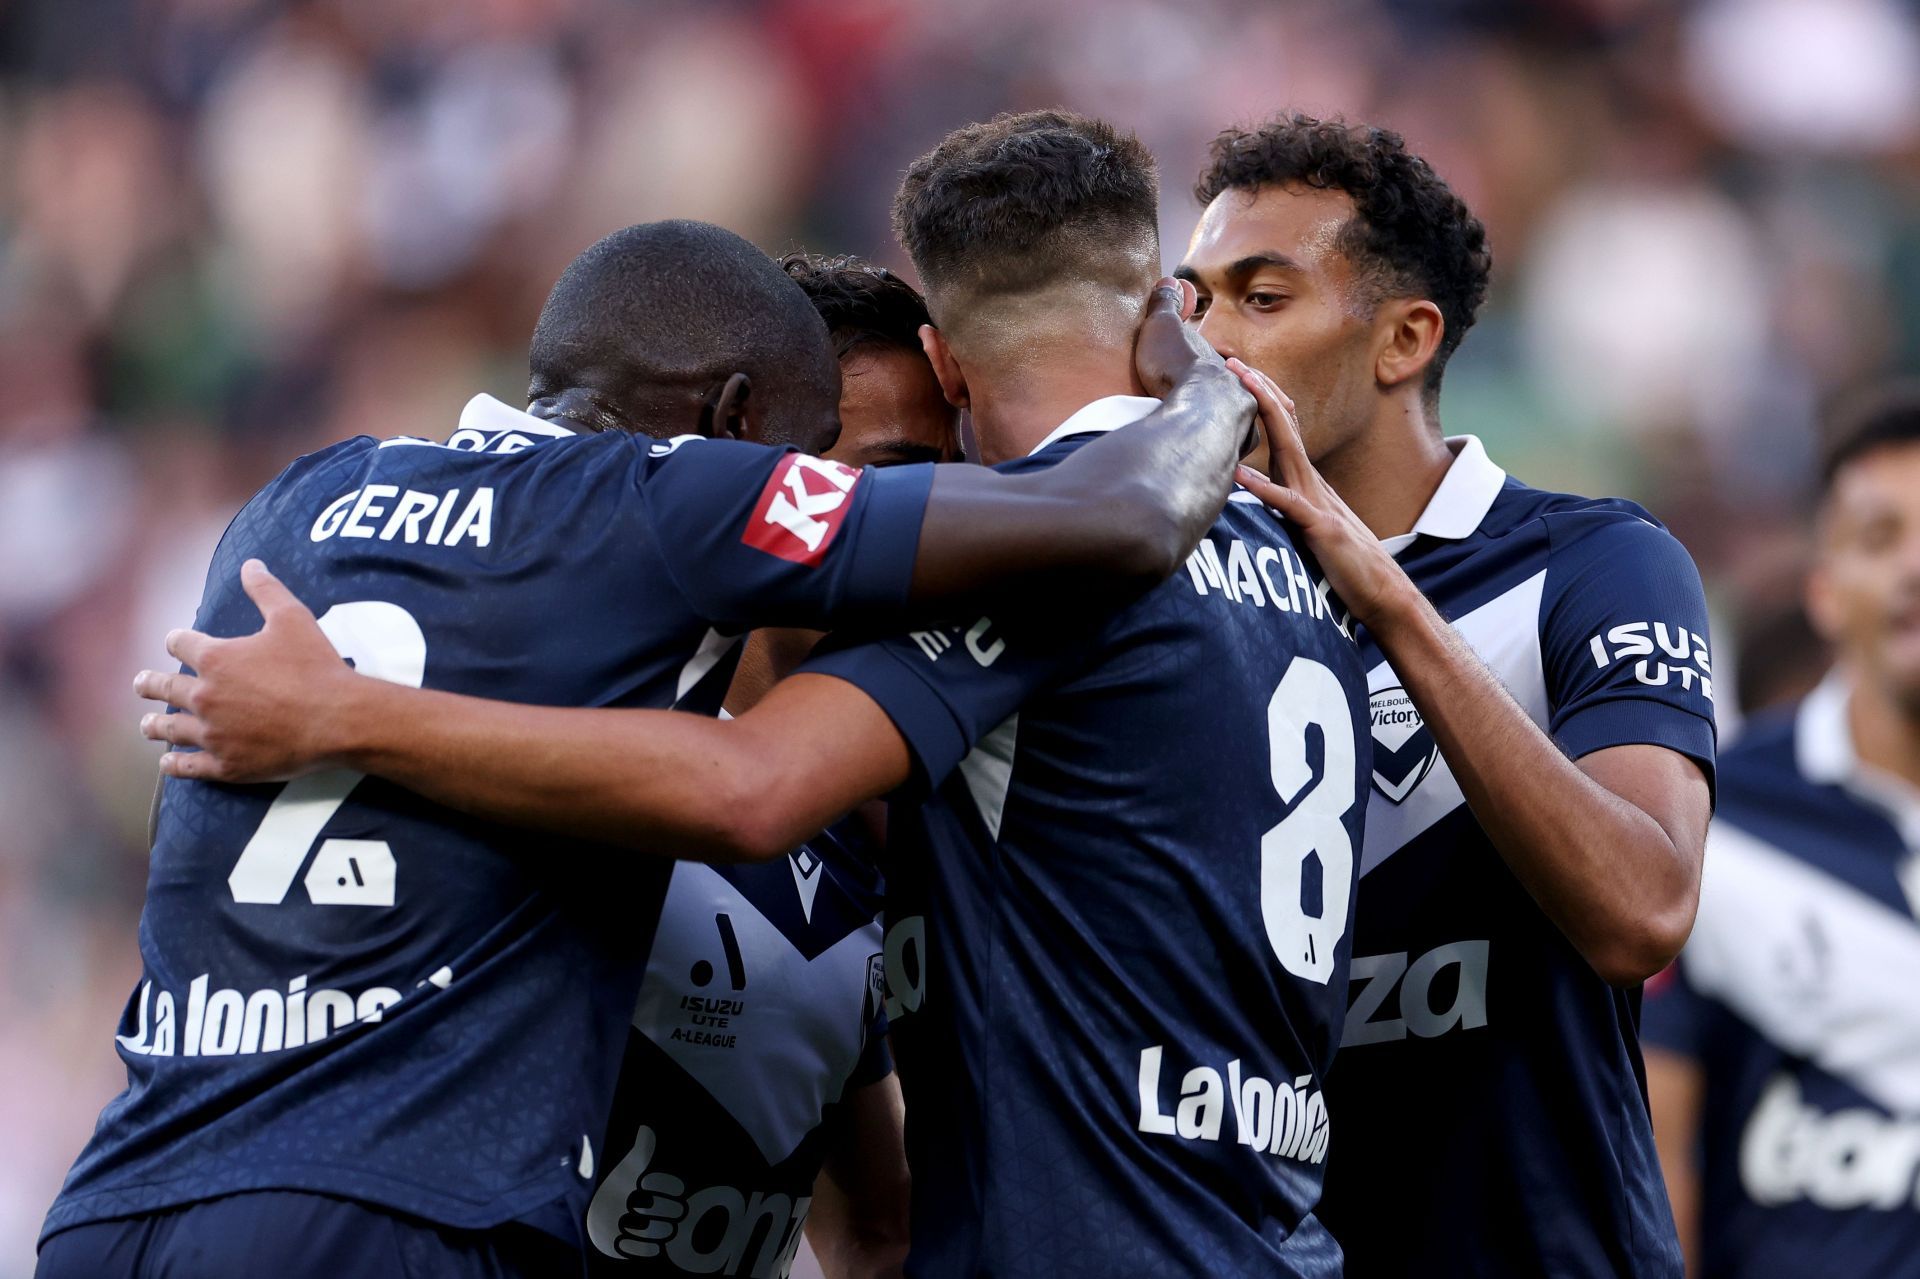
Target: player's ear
[(724, 416), (953, 383), (1409, 332)]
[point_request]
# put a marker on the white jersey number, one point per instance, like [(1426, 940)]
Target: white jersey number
[(381, 640), (1309, 693)]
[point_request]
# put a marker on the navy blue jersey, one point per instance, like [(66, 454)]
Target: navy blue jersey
[(1489, 1084), (1799, 998), (350, 990), (1118, 931), (760, 1012)]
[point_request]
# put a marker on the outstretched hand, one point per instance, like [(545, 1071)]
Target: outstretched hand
[(1368, 580), (256, 705)]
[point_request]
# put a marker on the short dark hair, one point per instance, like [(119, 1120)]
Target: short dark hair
[(1412, 234), (684, 303), (863, 305), (1024, 201), (1885, 416)]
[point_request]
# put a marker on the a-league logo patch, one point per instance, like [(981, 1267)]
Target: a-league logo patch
[(1403, 749), (801, 508)]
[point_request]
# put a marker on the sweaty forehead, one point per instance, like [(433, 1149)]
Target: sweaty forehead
[(1298, 223)]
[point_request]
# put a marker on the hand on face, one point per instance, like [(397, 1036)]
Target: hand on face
[(1168, 349), (1369, 581), (256, 706)]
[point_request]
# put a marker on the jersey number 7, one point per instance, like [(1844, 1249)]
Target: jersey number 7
[(381, 640)]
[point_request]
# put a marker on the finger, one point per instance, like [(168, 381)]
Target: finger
[(1167, 295), (1189, 298), (1277, 497), (1276, 420), (192, 647), (173, 688), (178, 730), (269, 594), (199, 766), (1273, 387), (1288, 449)]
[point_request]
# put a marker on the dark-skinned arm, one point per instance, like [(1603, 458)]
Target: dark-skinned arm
[(1610, 845), (280, 702), (1125, 510)]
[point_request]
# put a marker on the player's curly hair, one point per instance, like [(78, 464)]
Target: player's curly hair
[(1413, 235), (863, 304)]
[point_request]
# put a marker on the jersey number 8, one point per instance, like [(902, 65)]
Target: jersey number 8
[(381, 640), (1309, 694)]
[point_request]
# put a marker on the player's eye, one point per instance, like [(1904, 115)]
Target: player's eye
[(1265, 299), (1200, 305)]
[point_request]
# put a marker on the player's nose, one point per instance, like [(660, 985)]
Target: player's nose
[(1217, 333)]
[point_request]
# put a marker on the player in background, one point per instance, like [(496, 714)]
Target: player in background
[(1136, 854), (1783, 1050), (891, 409), (757, 1090), (1541, 701), (401, 1062)]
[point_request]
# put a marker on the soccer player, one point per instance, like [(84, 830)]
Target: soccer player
[(1784, 1047), (891, 409), (1542, 764), (757, 1093), (373, 1037), (1136, 855)]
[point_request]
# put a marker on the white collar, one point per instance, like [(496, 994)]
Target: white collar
[(1109, 413), (1466, 493), (489, 416), (1823, 748)]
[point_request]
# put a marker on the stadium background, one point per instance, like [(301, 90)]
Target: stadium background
[(233, 231)]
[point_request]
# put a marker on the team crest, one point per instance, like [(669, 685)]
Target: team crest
[(1403, 748)]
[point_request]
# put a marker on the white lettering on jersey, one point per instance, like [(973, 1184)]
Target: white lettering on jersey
[(389, 513), (906, 966), (730, 998), (1856, 1158), (640, 1214), (1376, 977), (801, 508), (1266, 575), (1661, 654), (1287, 1120), (226, 1022)]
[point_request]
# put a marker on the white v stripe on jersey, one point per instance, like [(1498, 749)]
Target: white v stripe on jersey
[(1856, 1011), (1505, 632)]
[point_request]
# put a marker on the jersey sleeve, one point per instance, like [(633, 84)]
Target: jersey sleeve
[(758, 537), (945, 688), (1623, 638)]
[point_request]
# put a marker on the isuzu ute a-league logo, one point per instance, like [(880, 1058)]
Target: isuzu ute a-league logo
[(1403, 749)]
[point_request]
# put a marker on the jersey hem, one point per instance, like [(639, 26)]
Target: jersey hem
[(458, 1214)]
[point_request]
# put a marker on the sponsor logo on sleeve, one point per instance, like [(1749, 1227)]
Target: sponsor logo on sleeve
[(801, 508), (1657, 655), (1404, 750)]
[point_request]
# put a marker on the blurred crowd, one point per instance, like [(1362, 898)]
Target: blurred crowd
[(232, 231)]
